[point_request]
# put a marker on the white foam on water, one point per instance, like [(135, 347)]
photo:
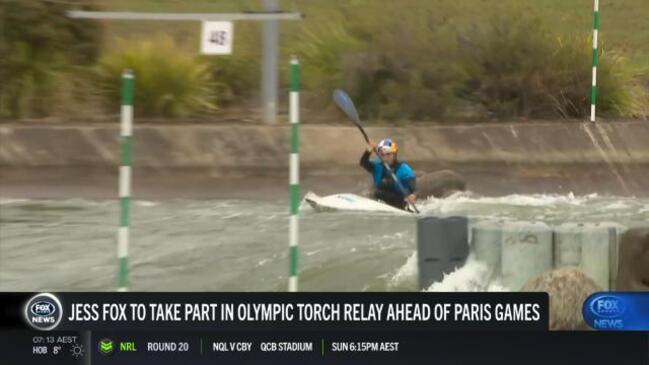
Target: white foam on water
[(76, 202), (145, 203), (527, 200), (390, 241), (540, 207), (232, 215), (406, 273), (472, 277), (8, 201), (617, 205), (311, 253), (395, 235)]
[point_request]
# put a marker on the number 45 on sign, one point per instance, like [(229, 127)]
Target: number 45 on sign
[(217, 38)]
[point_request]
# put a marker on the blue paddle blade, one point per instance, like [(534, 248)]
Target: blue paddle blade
[(345, 103)]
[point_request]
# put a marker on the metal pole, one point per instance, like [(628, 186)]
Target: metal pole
[(269, 65), (593, 93), (128, 15), (126, 141), (294, 172)]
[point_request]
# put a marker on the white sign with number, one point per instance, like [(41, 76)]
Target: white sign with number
[(217, 38)]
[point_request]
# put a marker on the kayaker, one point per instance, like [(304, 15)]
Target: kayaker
[(385, 187)]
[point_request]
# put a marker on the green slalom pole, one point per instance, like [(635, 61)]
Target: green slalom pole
[(593, 92), (126, 141), (294, 172)]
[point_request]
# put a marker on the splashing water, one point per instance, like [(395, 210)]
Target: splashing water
[(472, 277)]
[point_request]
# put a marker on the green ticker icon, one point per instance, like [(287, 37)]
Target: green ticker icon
[(106, 346)]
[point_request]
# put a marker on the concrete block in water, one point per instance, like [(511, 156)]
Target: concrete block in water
[(567, 244), (526, 252), (595, 253), (587, 246), (614, 253), (486, 241), (442, 246)]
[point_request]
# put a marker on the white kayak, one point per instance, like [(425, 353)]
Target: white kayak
[(350, 202)]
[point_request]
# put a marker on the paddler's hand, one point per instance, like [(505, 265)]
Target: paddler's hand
[(371, 147), (412, 198)]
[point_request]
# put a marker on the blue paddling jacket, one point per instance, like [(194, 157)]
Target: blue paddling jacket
[(405, 174)]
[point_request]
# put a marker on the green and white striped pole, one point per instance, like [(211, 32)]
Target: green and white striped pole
[(294, 172), (126, 142), (593, 93)]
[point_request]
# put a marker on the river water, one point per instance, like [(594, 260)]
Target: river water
[(242, 245)]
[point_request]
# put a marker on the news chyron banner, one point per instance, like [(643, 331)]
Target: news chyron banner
[(270, 311), (306, 328)]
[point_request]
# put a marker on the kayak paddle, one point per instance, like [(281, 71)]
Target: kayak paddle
[(346, 104)]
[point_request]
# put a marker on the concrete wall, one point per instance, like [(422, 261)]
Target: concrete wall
[(234, 146)]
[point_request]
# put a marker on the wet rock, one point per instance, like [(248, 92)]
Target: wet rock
[(568, 288), (633, 262), (440, 184)]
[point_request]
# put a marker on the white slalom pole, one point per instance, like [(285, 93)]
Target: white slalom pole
[(294, 173), (593, 93), (126, 140)]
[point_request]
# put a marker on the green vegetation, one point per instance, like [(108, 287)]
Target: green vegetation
[(519, 68), (439, 60), (394, 67), (42, 52), (168, 82), (423, 65)]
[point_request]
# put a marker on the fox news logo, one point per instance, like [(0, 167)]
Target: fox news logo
[(43, 311), (608, 309)]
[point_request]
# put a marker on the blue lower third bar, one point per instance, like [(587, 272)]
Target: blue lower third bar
[(623, 311)]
